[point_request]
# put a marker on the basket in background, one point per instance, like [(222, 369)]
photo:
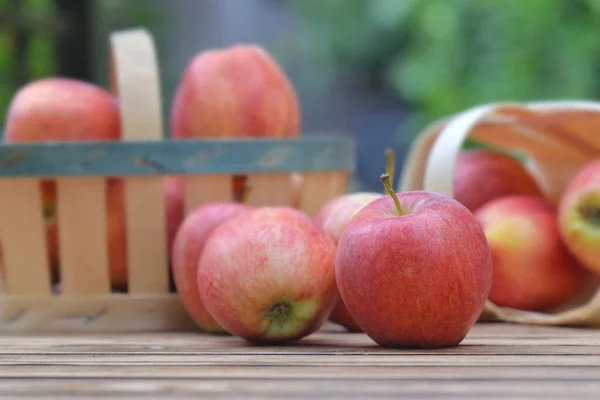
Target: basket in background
[(84, 300)]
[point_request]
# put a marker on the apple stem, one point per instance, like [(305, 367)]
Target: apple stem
[(279, 312), (385, 179), (390, 164), (245, 193)]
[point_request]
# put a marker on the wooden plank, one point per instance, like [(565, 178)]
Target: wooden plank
[(202, 189), (273, 190), (312, 372), (23, 237), (92, 313), (495, 361), (82, 235), (145, 221), (399, 359), (293, 387), (318, 188), (177, 157)]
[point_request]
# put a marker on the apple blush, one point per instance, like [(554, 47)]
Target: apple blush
[(414, 269)]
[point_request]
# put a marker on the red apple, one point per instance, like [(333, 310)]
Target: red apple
[(414, 269), (333, 218), (533, 269), (483, 175), (236, 91), (268, 276), (579, 216), (187, 248), (60, 109)]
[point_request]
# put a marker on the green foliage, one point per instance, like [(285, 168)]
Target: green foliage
[(442, 56), (34, 17)]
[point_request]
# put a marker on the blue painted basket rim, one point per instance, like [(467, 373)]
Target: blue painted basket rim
[(177, 157)]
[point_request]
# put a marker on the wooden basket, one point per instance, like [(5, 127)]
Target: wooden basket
[(557, 138), (85, 302)]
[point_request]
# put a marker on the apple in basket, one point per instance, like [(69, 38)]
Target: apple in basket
[(414, 269), (188, 246), (237, 91), (482, 175), (68, 110), (579, 216), (268, 276), (60, 109), (532, 268), (173, 187)]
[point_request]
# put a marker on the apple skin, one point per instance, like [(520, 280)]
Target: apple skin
[(57, 110), (333, 218), (268, 275), (579, 216), (188, 245), (483, 175), (532, 268), (419, 280), (62, 109), (233, 92)]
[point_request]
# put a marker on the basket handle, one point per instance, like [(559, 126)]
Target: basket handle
[(439, 168), (136, 82)]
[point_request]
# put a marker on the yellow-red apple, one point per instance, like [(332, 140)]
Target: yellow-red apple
[(187, 249), (579, 216), (333, 218), (267, 275), (533, 269), (482, 175), (414, 269)]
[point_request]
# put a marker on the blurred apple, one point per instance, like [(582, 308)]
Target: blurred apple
[(483, 175), (579, 216), (237, 91), (533, 270), (57, 110)]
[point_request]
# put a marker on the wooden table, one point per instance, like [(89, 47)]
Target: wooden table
[(495, 361)]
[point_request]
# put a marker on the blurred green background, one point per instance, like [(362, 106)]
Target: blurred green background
[(379, 70)]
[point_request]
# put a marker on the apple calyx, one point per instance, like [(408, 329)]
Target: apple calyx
[(591, 214), (279, 313), (385, 179)]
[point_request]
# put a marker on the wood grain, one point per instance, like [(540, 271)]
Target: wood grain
[(494, 361), (140, 156)]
